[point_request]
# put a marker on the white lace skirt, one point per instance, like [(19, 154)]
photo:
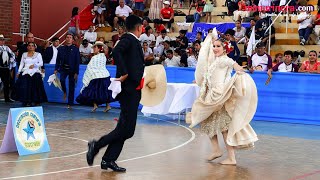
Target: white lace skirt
[(218, 122)]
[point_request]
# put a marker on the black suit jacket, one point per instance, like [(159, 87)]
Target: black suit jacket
[(47, 55), (128, 57), (73, 57)]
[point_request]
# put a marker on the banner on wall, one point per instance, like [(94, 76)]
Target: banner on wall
[(25, 132), (204, 27)]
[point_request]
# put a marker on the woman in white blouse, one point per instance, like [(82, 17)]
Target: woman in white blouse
[(29, 86)]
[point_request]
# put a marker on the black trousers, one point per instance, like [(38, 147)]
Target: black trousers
[(5, 78), (72, 82), (129, 102)]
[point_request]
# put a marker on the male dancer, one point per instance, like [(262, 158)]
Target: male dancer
[(128, 57)]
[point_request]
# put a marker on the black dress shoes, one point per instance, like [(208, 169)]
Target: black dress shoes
[(91, 152), (9, 101), (112, 165)]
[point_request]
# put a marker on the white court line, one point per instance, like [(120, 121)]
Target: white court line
[(58, 157), (140, 157), (57, 129), (63, 133)]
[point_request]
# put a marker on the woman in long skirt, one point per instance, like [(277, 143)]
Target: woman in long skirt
[(155, 7), (29, 85), (96, 80)]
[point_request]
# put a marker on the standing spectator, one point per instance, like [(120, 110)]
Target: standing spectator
[(208, 8), (122, 12), (305, 22), (50, 51), (90, 35), (7, 62), (67, 65), (96, 80), (167, 15), (85, 50), (147, 36), (29, 86), (74, 27), (260, 61), (311, 65), (154, 10), (99, 8), (286, 65)]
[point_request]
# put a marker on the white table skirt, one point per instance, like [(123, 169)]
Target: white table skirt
[(179, 96)]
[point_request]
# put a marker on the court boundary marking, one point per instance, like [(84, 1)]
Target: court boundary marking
[(125, 160)]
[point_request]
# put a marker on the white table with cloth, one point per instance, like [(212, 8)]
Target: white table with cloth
[(179, 97)]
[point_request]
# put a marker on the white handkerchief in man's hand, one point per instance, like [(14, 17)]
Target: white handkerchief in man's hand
[(115, 87)]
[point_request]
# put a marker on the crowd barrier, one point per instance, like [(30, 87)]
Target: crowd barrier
[(289, 97)]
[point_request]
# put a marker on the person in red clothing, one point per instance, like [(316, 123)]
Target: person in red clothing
[(167, 15), (158, 26)]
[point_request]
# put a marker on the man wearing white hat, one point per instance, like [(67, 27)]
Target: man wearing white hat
[(7, 61)]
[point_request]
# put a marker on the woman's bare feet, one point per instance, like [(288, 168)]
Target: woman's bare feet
[(214, 156), (108, 108), (95, 107), (228, 162)]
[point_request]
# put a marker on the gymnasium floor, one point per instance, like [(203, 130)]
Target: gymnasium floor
[(161, 149)]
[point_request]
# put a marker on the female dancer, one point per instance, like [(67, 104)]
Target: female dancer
[(226, 104), (96, 80)]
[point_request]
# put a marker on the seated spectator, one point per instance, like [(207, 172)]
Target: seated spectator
[(99, 8), (240, 32), (171, 61), (145, 23), (241, 13), (296, 59), (139, 7), (163, 37), (107, 53), (166, 48), (192, 61), (85, 50), (116, 37), (232, 6), (317, 26), (286, 65), (197, 47), (122, 12), (305, 22), (167, 15), (199, 10), (182, 40), (148, 37), (260, 61), (278, 59), (158, 26), (50, 52), (311, 65), (199, 36), (148, 54), (90, 35)]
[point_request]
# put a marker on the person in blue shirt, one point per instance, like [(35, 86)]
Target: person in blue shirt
[(67, 65)]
